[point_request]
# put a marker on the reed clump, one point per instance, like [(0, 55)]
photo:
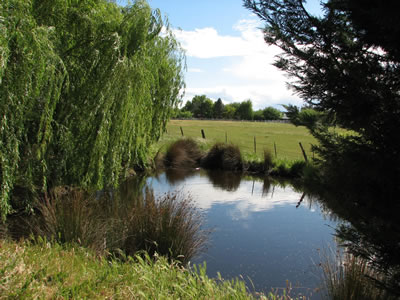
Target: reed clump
[(69, 215), (169, 225), (184, 153), (223, 157), (349, 277)]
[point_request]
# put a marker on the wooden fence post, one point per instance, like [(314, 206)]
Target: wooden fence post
[(181, 130), (226, 137), (304, 152), (255, 145), (203, 134), (276, 154)]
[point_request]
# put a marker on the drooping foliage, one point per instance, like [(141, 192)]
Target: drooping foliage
[(85, 88)]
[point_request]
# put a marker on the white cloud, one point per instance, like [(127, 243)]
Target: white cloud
[(251, 66), (207, 43), (195, 70)]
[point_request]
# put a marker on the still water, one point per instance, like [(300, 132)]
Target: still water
[(260, 231)]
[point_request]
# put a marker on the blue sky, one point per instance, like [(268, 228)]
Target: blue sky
[(226, 55)]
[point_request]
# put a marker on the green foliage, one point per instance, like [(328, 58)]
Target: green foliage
[(85, 87), (307, 117), (271, 113), (218, 109), (48, 270), (183, 114), (259, 115), (244, 110), (33, 76), (200, 106), (230, 111), (345, 64)]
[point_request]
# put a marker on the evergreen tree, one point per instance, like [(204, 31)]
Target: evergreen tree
[(346, 65), (218, 109)]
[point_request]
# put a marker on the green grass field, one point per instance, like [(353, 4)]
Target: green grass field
[(285, 136)]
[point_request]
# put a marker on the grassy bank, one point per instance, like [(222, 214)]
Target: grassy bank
[(47, 271), (286, 137)]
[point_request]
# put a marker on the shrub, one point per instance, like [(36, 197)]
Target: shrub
[(183, 153), (223, 157)]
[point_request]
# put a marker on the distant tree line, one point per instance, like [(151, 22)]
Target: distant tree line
[(203, 107)]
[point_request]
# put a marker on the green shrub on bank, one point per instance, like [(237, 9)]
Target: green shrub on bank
[(288, 168)]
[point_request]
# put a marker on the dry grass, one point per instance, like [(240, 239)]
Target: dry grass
[(184, 153), (168, 225), (347, 277), (223, 157)]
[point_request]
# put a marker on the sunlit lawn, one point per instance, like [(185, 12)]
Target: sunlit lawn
[(286, 137)]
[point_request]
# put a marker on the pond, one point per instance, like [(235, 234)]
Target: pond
[(263, 231)]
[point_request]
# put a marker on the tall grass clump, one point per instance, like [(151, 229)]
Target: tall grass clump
[(169, 225), (184, 153), (72, 216), (223, 157), (267, 159), (348, 277)]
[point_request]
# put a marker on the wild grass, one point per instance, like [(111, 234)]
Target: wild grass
[(48, 270), (348, 277), (169, 225), (288, 168), (45, 270), (183, 153), (285, 137), (223, 157)]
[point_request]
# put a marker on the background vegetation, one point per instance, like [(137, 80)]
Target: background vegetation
[(85, 88), (286, 137), (204, 108)]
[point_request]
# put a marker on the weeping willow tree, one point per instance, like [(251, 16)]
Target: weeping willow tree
[(85, 88)]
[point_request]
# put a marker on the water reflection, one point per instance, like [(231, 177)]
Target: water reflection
[(217, 187), (372, 231), (228, 181), (258, 232)]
